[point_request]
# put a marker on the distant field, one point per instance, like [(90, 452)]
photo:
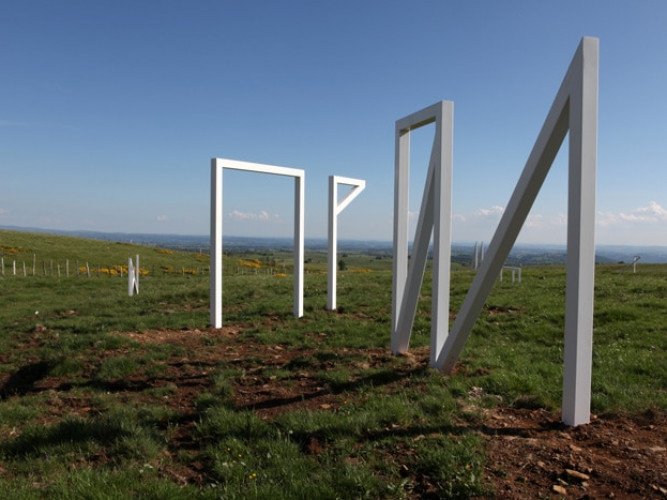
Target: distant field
[(110, 396)]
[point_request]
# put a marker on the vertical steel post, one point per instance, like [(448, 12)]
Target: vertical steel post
[(580, 282), (216, 245)]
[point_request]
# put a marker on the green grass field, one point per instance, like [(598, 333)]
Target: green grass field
[(277, 406)]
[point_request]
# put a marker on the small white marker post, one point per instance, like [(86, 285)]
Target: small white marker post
[(478, 255), (137, 273), (516, 272), (336, 208), (132, 277), (474, 256), (634, 263)]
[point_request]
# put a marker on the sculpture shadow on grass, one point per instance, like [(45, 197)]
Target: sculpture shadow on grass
[(376, 379), (24, 379), (74, 432)]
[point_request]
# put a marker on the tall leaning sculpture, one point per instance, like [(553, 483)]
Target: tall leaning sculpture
[(574, 110)]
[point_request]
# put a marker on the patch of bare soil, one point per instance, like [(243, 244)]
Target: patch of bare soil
[(305, 388), (531, 454), (183, 338)]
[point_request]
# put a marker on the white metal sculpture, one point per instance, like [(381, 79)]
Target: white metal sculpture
[(474, 262), (336, 208), (434, 217), (132, 277), (574, 110), (478, 254), (514, 270), (635, 259), (217, 167)]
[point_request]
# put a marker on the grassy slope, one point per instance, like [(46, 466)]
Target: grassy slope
[(61, 326)]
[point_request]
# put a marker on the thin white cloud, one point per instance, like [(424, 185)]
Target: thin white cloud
[(536, 220), (647, 223), (604, 219), (649, 214), (162, 218), (653, 212), (261, 216), (237, 215), (540, 221), (559, 220), (490, 212), (3, 211)]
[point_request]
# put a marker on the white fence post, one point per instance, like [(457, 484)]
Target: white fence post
[(137, 273), (130, 277), (474, 257)]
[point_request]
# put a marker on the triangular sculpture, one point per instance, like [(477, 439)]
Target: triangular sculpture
[(574, 110), (435, 217)]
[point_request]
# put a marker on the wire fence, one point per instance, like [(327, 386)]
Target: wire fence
[(75, 268)]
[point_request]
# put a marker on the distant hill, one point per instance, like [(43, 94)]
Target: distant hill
[(524, 255)]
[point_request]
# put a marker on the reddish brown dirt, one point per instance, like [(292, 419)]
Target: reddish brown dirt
[(529, 453)]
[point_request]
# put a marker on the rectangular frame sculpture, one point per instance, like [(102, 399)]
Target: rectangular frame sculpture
[(217, 167), (575, 109), (335, 208), (435, 217)]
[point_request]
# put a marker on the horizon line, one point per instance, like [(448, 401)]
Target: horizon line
[(28, 229)]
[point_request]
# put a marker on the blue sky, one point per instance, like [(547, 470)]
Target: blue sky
[(111, 111)]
